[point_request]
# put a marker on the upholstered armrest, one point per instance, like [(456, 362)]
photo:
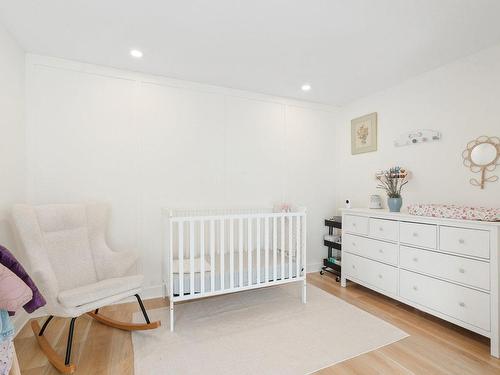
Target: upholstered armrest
[(46, 281)]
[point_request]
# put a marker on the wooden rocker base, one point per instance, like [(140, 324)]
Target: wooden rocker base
[(55, 359), (122, 325), (66, 367)]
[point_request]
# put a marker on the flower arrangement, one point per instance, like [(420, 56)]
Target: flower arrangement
[(284, 207), (392, 181)]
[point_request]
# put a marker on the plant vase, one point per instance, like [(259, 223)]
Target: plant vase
[(395, 204)]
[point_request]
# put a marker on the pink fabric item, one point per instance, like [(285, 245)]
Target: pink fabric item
[(451, 211), (14, 293)]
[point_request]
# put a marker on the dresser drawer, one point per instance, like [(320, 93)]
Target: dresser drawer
[(467, 305), (355, 224), (464, 241), (376, 274), (378, 250), (418, 234), (384, 229), (466, 271)]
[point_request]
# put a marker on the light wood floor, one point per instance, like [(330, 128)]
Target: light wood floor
[(433, 347)]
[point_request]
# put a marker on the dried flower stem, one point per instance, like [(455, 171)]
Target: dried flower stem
[(392, 181)]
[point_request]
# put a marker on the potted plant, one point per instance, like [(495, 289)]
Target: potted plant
[(392, 181)]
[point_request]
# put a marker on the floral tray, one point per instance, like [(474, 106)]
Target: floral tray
[(450, 211)]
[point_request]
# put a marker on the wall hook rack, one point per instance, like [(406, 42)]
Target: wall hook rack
[(417, 136)]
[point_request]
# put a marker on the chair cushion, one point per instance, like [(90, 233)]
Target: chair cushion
[(70, 256), (99, 290), (64, 230)]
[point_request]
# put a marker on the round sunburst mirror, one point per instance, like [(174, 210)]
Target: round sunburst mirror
[(482, 155)]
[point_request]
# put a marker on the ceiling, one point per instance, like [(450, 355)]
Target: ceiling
[(345, 49)]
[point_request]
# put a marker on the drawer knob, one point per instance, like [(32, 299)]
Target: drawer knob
[(381, 229), (415, 287), (461, 270), (461, 304), (354, 244), (379, 276), (353, 224), (461, 241), (415, 234), (353, 267), (415, 259), (381, 251)]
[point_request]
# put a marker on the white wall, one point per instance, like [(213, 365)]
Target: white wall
[(141, 143), (461, 100), (12, 144)]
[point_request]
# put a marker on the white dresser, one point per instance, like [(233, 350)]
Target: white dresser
[(446, 267)]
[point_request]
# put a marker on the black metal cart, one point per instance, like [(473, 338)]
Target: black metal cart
[(335, 223)]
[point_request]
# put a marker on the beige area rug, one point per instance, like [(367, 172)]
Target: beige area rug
[(264, 331)]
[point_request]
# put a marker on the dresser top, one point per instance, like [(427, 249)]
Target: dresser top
[(405, 216)]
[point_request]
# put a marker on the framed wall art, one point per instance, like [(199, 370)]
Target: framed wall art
[(364, 134)]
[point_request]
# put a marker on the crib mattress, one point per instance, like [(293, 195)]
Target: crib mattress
[(227, 272)]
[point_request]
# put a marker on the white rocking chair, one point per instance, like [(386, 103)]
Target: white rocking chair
[(75, 269)]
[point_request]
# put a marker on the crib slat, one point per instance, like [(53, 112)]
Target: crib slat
[(249, 251), (202, 256), (191, 257), (287, 231), (304, 243), (212, 255), (275, 247), (297, 254), (258, 248), (282, 248), (171, 258), (240, 251), (222, 249), (290, 246), (266, 246), (180, 242), (231, 253)]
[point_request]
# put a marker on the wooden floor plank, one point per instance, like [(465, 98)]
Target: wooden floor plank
[(433, 347)]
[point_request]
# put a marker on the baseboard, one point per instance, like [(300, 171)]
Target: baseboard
[(158, 291), (314, 267), (153, 291)]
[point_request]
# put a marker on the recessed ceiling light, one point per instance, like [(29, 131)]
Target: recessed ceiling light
[(136, 53), (306, 87)]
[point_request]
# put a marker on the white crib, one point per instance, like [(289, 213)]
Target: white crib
[(212, 252)]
